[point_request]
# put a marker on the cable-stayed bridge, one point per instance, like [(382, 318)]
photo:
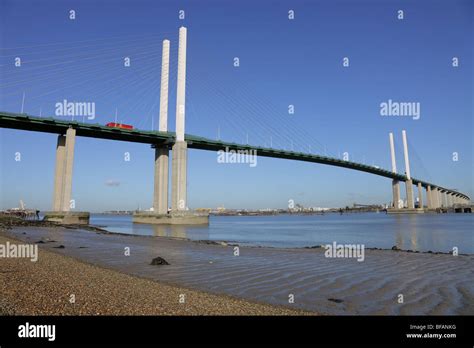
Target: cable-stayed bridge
[(178, 142)]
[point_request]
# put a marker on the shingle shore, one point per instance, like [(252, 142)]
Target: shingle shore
[(47, 286)]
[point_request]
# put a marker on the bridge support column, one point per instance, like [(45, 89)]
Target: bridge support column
[(420, 196), (63, 171), (59, 173), (160, 198), (396, 194), (62, 203), (70, 142), (429, 201), (179, 180), (409, 191), (435, 198), (444, 199)]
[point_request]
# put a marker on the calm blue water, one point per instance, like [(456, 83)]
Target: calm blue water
[(435, 232)]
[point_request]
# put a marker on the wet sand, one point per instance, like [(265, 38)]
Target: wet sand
[(430, 283), (45, 287)]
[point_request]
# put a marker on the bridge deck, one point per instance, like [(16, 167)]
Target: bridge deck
[(51, 125)]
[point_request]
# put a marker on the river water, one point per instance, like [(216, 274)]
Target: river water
[(421, 232)]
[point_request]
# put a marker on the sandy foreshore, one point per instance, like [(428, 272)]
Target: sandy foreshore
[(430, 283), (45, 288)]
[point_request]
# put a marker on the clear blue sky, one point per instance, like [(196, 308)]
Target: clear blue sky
[(282, 62)]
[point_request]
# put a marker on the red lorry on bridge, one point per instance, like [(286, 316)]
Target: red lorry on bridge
[(119, 125)]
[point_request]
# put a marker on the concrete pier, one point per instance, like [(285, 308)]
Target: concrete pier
[(173, 218), (435, 198), (429, 201), (179, 176), (409, 192), (442, 197), (70, 142), (62, 203), (458, 199), (63, 171), (420, 196), (410, 209), (396, 194), (160, 197), (59, 173)]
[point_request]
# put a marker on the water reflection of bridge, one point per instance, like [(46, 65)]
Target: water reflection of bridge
[(172, 231)]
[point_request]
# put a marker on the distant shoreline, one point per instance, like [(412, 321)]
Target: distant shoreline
[(244, 212)]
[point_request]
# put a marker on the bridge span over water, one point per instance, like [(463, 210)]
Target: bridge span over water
[(159, 139), (178, 142)]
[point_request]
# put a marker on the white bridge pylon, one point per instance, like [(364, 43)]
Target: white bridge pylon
[(160, 196), (179, 149), (436, 197)]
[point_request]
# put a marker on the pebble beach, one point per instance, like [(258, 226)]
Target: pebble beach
[(46, 287), (119, 274)]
